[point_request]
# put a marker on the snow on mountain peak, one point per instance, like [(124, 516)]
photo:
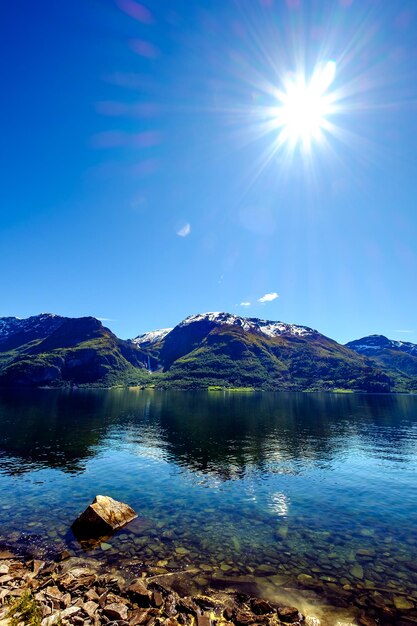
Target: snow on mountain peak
[(218, 318), (11, 325), (267, 327), (151, 337), (372, 343)]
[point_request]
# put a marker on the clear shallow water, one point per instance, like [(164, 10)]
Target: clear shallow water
[(278, 487)]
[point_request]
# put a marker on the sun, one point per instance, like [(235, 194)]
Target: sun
[(302, 114)]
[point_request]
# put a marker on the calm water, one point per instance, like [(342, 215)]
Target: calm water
[(275, 486)]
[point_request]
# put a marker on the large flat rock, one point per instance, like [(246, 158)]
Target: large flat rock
[(103, 516)]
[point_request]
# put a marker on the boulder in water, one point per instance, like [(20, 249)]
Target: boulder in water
[(103, 516)]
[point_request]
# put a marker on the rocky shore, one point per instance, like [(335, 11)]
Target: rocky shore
[(74, 591), (81, 591)]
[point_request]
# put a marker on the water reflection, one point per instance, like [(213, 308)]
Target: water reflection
[(222, 435)]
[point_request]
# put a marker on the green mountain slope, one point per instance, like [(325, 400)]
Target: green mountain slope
[(237, 352), (211, 349), (54, 350)]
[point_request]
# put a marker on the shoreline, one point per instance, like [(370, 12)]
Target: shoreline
[(224, 390), (86, 591), (78, 591)]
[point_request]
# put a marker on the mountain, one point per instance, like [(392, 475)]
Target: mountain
[(399, 358), (208, 349), (232, 351), (50, 349)]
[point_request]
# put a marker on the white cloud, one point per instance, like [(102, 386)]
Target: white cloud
[(184, 231), (268, 297), (106, 319), (245, 303), (403, 331)]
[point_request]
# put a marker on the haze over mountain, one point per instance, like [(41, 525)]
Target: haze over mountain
[(204, 350)]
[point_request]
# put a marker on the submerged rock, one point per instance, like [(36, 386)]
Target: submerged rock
[(402, 604), (102, 516), (357, 571), (261, 607), (289, 614)]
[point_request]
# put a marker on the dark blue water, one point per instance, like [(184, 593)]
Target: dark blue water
[(314, 490)]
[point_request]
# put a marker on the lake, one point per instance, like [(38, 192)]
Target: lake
[(311, 492)]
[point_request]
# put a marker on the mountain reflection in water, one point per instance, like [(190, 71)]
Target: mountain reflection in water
[(226, 435)]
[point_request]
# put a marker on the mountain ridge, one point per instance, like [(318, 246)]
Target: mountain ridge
[(396, 357), (217, 348), (206, 349), (370, 343), (49, 349), (268, 327)]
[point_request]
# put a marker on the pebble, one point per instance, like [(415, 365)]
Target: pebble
[(357, 571), (402, 604), (303, 578), (206, 568)]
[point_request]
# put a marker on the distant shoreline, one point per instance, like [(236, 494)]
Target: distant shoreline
[(225, 390)]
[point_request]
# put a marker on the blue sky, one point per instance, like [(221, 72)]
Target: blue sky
[(141, 183)]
